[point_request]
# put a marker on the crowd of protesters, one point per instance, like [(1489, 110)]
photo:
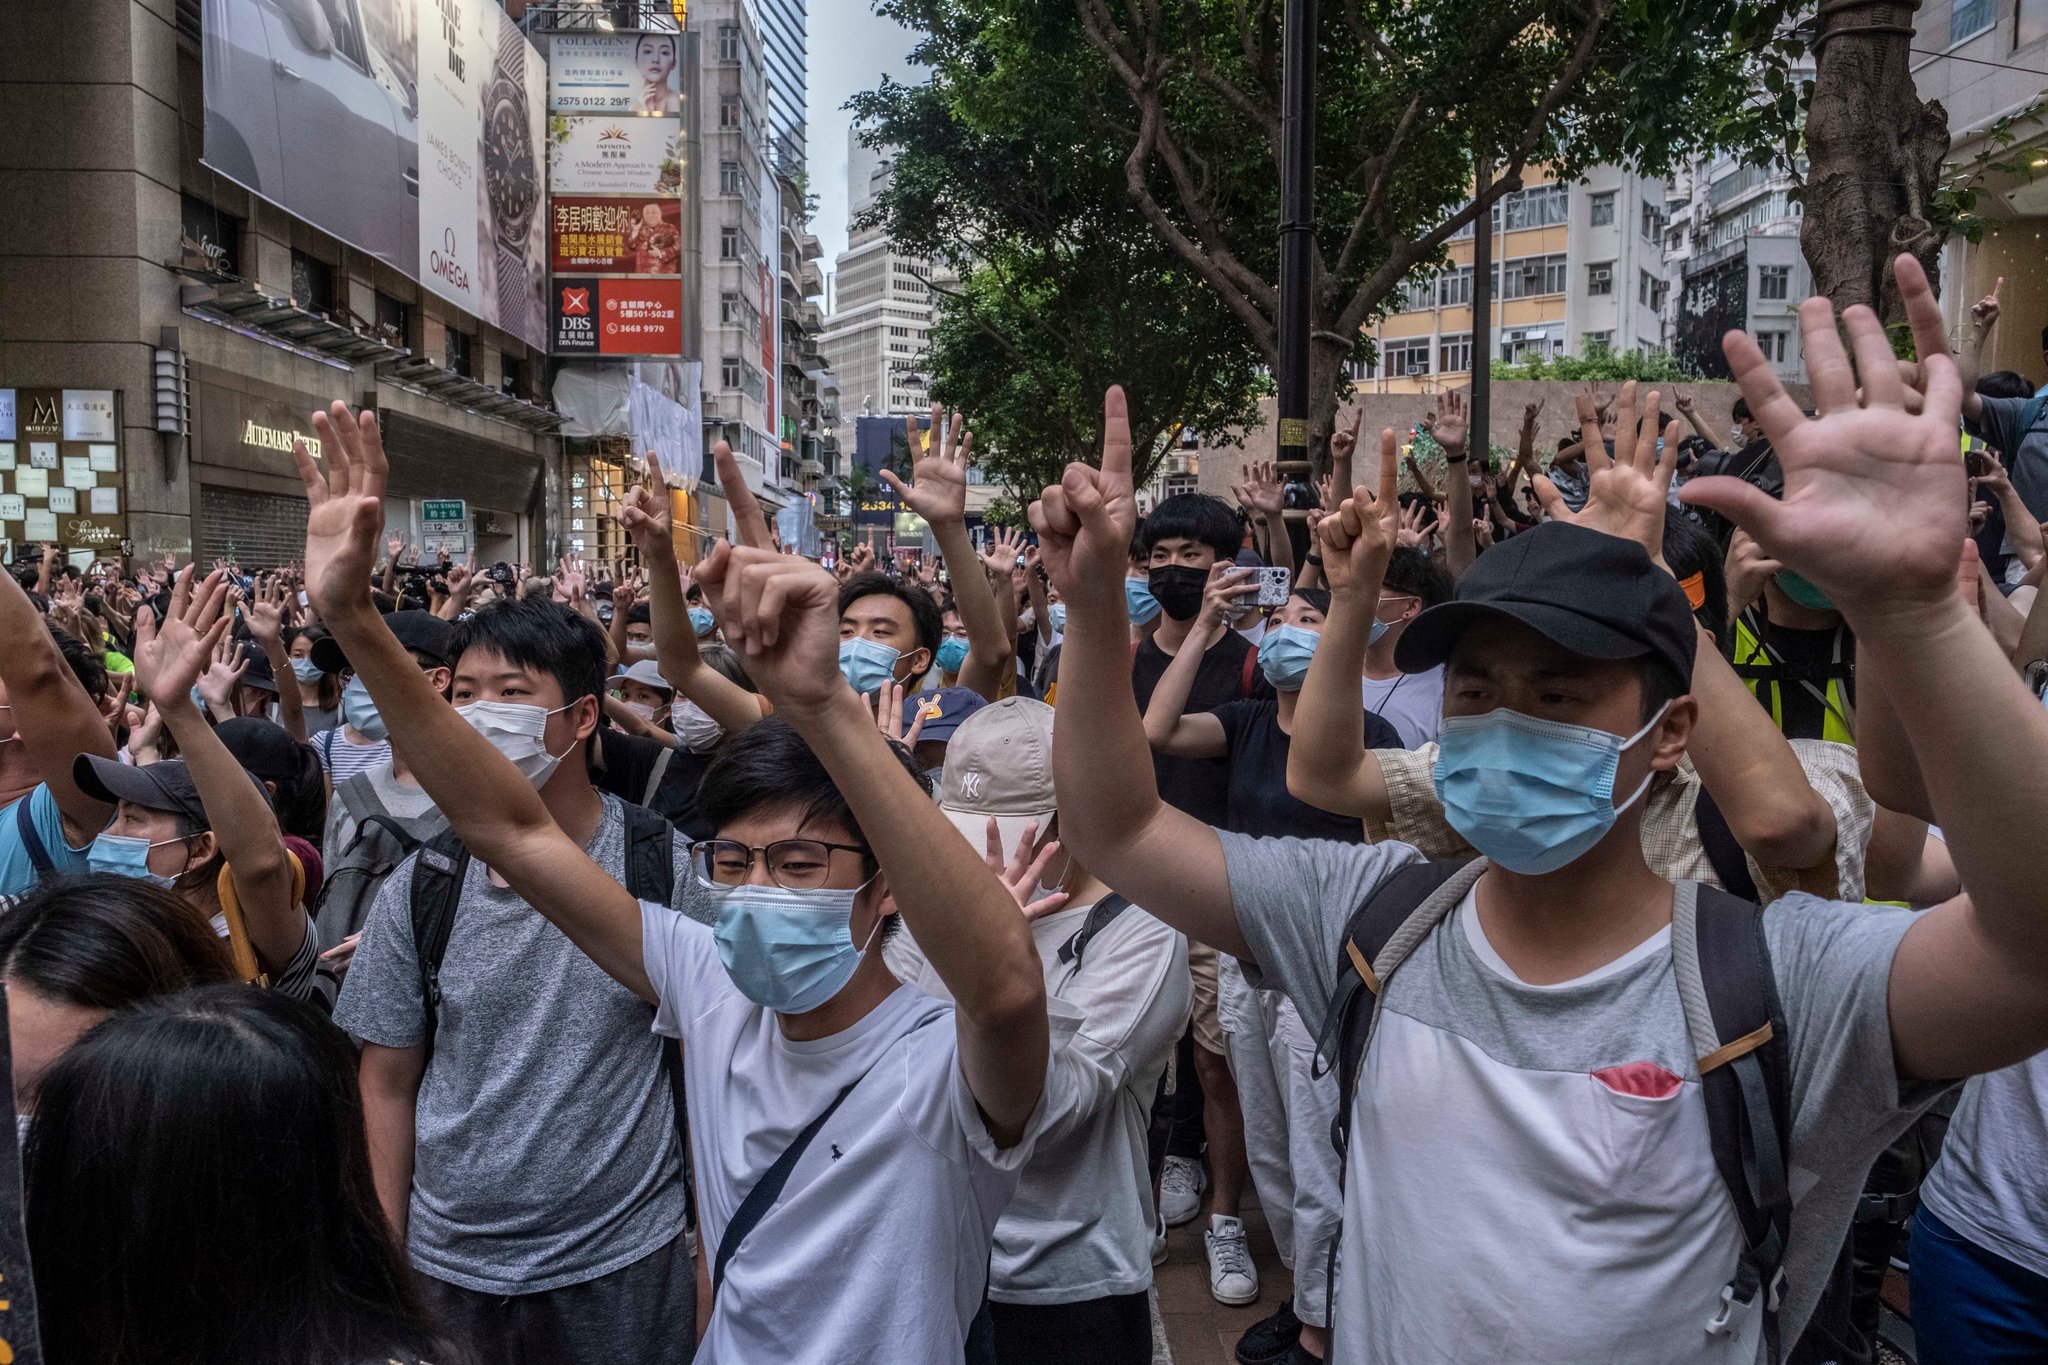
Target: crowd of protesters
[(1590, 902)]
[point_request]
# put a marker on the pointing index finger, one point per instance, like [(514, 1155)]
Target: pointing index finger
[(1116, 434)]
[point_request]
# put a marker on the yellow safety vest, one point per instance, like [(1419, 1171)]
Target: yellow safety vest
[(1752, 658)]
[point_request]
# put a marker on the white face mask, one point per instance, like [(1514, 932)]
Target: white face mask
[(693, 726), (519, 732), (640, 709)]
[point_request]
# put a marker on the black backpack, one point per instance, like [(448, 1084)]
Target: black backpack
[(1738, 1032), (437, 887)]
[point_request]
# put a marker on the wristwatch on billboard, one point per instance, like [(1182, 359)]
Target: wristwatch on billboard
[(511, 174)]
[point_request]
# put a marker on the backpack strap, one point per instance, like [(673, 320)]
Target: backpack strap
[(1381, 933), (1724, 854), (31, 842), (1099, 916), (654, 775), (768, 1188), (650, 854), (1723, 966), (1251, 668), (437, 872)]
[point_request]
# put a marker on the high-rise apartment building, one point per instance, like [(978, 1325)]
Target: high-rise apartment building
[(1733, 244), (879, 330), (1574, 266), (783, 48)]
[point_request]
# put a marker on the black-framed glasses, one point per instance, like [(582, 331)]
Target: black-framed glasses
[(793, 864)]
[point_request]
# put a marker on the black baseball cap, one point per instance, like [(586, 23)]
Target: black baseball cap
[(1594, 594), (153, 786), (263, 747), (419, 631), (258, 673)]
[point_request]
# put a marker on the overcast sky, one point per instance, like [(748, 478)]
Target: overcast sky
[(849, 49)]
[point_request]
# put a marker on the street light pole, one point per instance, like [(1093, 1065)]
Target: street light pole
[(1297, 227)]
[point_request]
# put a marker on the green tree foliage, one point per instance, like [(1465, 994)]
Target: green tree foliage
[(1045, 119), (1600, 363)]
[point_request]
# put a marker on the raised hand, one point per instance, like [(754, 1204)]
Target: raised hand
[(1005, 549), (1024, 872), (170, 659), (750, 523), (1229, 592), (1359, 537), (1262, 491), (938, 471), (217, 684), (1343, 443), (569, 580), (1411, 528), (395, 546), (1684, 403), (885, 703), (648, 517), (862, 558), (1870, 512), (1453, 420), (345, 511), (782, 613), (1747, 569), (1085, 521), (265, 613), (1530, 412), (1626, 495), (1984, 312)]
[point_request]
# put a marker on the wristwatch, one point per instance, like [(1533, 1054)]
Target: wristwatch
[(511, 178)]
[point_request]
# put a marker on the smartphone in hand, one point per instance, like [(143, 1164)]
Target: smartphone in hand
[(1274, 587)]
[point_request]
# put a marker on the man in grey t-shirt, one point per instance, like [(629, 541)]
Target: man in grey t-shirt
[(1530, 1174), (527, 1153)]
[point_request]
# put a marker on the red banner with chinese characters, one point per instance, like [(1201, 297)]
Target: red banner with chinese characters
[(640, 317), (603, 236)]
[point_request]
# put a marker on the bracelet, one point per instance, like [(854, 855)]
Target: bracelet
[(1316, 560), (1454, 459)]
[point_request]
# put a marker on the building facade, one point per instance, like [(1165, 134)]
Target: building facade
[(166, 330), (1984, 61), (878, 334), (1733, 242), (1575, 266)]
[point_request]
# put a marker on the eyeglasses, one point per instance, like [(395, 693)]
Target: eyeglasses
[(793, 864)]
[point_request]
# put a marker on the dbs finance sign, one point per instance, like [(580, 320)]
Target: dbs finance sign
[(595, 315)]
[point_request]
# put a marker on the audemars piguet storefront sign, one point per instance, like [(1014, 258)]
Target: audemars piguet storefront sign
[(60, 469)]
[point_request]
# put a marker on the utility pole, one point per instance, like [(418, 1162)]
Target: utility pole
[(1478, 439), (1297, 241)]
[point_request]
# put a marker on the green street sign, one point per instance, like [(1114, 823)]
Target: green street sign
[(443, 509)]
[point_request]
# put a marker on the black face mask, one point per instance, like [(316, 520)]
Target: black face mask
[(1178, 589)]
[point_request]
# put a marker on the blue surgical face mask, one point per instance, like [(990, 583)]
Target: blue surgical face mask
[(1530, 794), (1803, 592), (788, 951), (952, 654), (1056, 615), (306, 671), (866, 665), (126, 855), (359, 709), (1139, 603), (702, 621), (1379, 628), (1284, 653)]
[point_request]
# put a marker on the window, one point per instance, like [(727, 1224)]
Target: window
[(1653, 221), (729, 372), (729, 181), (1600, 278), (1530, 276), (1417, 295), (1454, 287), (210, 235), (1407, 357), (512, 377), (312, 283), (394, 319), (1358, 371), (1774, 281), (1601, 340), (1603, 208), (1454, 353), (1521, 344), (1968, 19), (461, 347), (1537, 206), (728, 244), (728, 111), (728, 42), (1650, 291), (2030, 23), (1772, 344), (729, 308)]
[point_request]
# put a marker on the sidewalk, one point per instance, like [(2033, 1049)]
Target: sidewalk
[(1199, 1330)]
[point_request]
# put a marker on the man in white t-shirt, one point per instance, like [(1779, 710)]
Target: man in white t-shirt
[(1531, 1072), (894, 1123), (1411, 702), (1073, 1253)]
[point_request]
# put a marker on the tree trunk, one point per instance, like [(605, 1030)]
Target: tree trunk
[(1875, 151), (1325, 362)]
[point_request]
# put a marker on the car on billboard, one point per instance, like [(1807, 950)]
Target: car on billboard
[(314, 105)]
